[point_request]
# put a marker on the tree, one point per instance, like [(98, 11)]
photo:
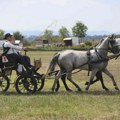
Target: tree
[(63, 32), (118, 35), (48, 34), (2, 34), (79, 29), (18, 36)]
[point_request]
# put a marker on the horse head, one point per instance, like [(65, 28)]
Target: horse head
[(113, 47)]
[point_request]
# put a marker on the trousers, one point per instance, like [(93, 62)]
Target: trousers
[(16, 58)]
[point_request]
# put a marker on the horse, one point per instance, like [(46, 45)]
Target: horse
[(69, 60), (99, 76)]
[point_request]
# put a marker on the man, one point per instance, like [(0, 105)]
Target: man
[(11, 52)]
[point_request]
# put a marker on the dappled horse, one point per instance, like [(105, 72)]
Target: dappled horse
[(98, 74), (69, 60)]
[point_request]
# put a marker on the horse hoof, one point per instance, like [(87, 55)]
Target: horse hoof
[(79, 90), (56, 90), (52, 89), (69, 90), (106, 89), (116, 88), (87, 88), (86, 83)]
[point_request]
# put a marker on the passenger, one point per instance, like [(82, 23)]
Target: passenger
[(20, 66), (11, 52)]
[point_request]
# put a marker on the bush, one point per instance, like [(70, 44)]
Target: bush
[(88, 43), (55, 48)]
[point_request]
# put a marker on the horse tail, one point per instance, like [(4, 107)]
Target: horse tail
[(52, 63)]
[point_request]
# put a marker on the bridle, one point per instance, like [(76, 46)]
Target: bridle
[(113, 49)]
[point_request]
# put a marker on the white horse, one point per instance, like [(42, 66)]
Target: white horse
[(69, 60)]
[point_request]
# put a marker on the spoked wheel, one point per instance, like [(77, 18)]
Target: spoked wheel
[(25, 84), (4, 83), (40, 81)]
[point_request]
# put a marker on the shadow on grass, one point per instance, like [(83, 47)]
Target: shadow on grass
[(97, 92), (45, 93)]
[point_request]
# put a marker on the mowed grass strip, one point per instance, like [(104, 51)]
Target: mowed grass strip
[(95, 104)]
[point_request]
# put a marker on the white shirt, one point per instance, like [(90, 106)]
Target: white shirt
[(13, 48)]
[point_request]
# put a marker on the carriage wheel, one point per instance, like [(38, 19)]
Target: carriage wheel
[(25, 84), (40, 81), (4, 83)]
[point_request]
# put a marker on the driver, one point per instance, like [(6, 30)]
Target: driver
[(11, 52)]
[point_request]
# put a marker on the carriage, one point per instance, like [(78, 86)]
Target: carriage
[(25, 82), (95, 61)]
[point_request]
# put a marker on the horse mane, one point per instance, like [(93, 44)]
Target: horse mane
[(97, 45)]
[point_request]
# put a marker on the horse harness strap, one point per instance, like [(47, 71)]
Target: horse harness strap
[(5, 50), (90, 62), (98, 55)]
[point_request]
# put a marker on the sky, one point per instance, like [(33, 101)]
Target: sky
[(24, 15)]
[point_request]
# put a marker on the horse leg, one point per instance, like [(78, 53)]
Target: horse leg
[(69, 77), (93, 73), (58, 86), (58, 83), (63, 78), (98, 77), (92, 82), (56, 80), (111, 76)]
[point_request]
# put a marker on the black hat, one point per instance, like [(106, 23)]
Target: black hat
[(7, 35)]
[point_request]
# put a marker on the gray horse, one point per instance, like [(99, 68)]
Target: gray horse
[(98, 77), (98, 74), (69, 60)]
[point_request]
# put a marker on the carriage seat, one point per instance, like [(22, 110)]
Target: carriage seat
[(8, 62)]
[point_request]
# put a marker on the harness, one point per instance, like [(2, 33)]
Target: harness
[(5, 50), (99, 56), (91, 62), (8, 61)]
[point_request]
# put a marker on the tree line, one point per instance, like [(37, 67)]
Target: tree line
[(78, 30)]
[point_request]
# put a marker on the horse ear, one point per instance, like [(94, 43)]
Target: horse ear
[(112, 36)]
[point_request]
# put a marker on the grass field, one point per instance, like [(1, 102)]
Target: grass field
[(96, 104)]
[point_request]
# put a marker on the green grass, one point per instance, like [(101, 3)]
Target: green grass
[(95, 104)]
